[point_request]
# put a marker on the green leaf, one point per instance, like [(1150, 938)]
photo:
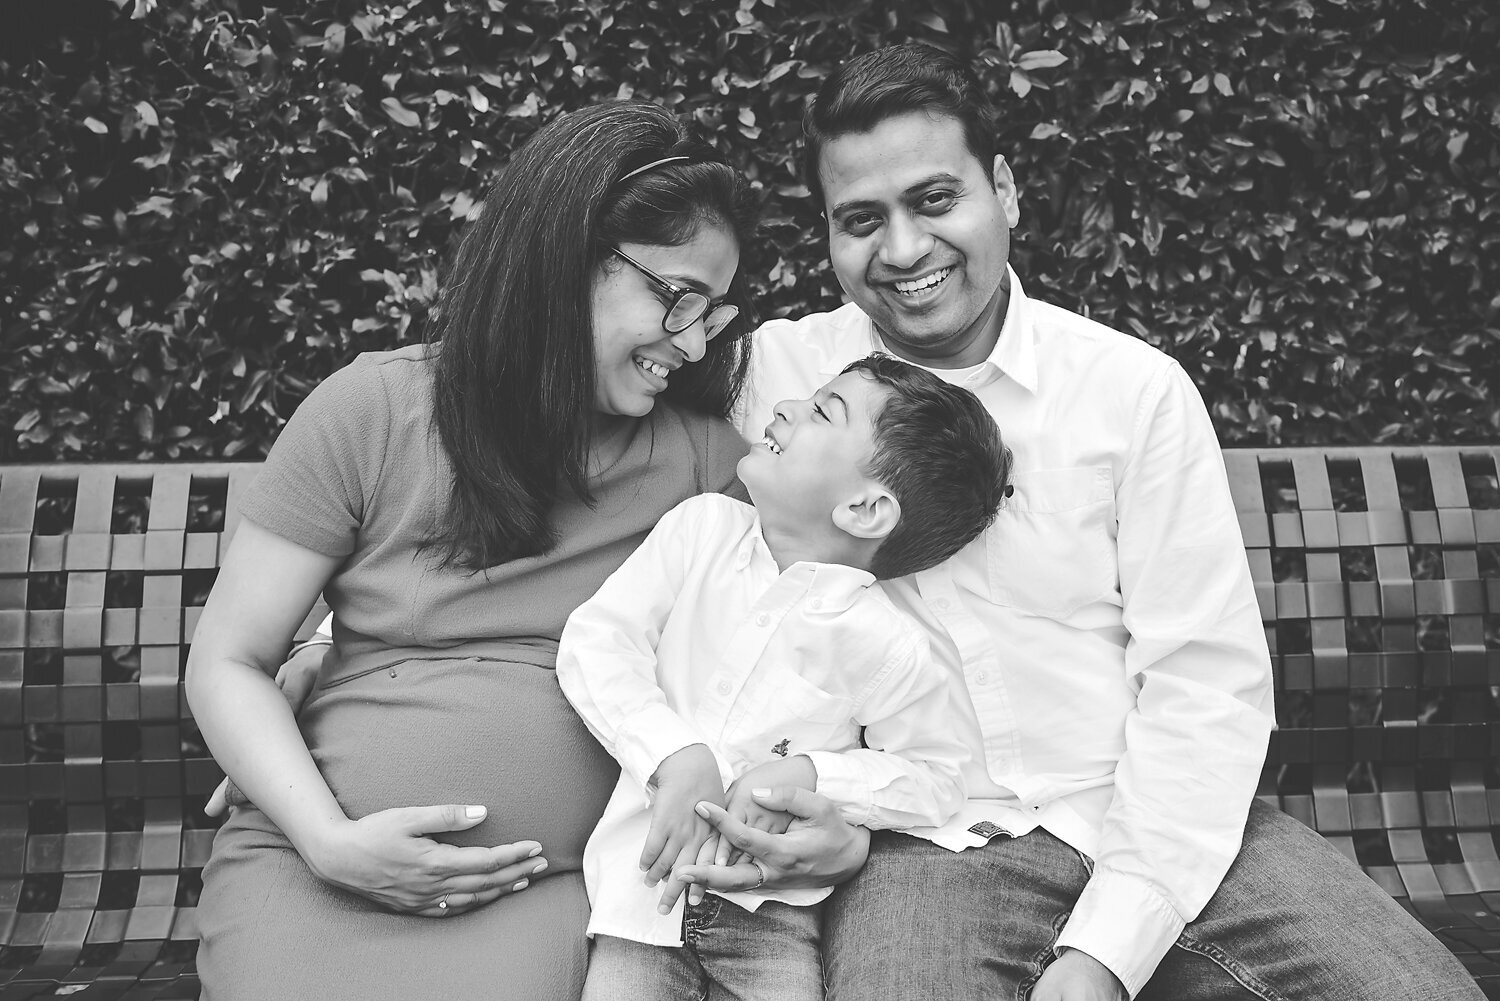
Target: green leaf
[(1040, 59), (400, 113)]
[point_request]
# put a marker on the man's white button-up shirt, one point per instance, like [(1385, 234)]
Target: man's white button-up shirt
[(700, 638), (1108, 656)]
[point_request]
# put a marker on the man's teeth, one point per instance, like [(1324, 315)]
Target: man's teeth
[(660, 371), (770, 443), (922, 284)]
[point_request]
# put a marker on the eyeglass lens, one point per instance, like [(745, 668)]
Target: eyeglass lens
[(690, 306)]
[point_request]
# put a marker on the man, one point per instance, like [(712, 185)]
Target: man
[(1112, 677)]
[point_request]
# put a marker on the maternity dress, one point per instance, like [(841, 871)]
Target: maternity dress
[(439, 689)]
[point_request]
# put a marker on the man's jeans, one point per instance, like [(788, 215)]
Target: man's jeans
[(727, 952), (1293, 920)]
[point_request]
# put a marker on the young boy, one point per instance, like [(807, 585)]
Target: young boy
[(744, 647)]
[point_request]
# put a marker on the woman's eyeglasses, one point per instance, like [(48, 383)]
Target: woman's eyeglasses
[(687, 306)]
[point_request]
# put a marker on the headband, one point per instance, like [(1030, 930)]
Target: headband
[(652, 164)]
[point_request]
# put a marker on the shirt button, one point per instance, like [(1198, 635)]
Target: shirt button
[(762, 619), (723, 688), (941, 604), (815, 604), (981, 677)]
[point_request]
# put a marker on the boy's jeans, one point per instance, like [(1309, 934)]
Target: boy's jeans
[(1293, 920), (771, 955)]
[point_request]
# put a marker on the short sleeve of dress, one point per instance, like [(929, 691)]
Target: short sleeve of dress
[(325, 464)]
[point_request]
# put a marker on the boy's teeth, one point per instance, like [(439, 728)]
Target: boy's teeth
[(770, 443), (660, 371), (908, 288)]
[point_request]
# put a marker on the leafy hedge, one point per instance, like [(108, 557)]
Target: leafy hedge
[(207, 205)]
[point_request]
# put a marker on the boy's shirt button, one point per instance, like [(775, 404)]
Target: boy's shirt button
[(762, 619)]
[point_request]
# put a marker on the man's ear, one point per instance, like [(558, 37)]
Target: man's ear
[(872, 514), (1005, 190)]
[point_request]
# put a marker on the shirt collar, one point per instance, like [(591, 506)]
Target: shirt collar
[(1014, 353), (1015, 349), (830, 587)]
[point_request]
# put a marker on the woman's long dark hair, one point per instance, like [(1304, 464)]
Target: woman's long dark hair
[(515, 361)]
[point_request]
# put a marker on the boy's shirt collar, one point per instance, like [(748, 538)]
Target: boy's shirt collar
[(1014, 354), (832, 587)]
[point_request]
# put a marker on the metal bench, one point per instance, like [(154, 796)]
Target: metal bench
[(1377, 571)]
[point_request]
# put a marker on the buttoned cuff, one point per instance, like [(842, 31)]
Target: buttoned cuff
[(1122, 921), (649, 738), (842, 780)]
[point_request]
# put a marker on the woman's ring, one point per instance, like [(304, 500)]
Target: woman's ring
[(443, 904), (762, 870)]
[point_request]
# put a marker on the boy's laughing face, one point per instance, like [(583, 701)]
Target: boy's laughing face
[(815, 453)]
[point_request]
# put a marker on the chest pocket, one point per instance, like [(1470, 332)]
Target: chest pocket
[(781, 706), (1051, 549)]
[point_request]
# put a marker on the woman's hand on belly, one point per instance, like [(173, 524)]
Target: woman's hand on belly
[(387, 857)]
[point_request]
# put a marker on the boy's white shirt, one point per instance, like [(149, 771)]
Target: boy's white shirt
[(699, 638)]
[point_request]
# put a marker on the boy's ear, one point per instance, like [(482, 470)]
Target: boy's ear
[(872, 514)]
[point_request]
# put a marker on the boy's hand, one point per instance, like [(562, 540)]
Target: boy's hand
[(797, 771), (677, 832)]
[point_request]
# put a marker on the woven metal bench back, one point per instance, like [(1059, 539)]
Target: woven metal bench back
[(1378, 576), (1377, 571)]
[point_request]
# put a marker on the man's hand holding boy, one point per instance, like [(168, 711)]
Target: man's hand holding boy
[(796, 771)]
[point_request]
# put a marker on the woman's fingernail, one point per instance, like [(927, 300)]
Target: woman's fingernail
[(523, 884), (534, 852), (701, 810), (539, 867), (760, 792), (474, 812)]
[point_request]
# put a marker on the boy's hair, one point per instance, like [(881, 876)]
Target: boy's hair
[(938, 450), (897, 80)]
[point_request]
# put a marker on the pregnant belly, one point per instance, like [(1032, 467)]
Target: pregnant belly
[(485, 732)]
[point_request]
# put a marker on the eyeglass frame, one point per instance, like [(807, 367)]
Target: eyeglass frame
[(680, 293)]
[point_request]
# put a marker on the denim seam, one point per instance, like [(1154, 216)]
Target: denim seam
[(1041, 960), (1229, 965), (694, 922)]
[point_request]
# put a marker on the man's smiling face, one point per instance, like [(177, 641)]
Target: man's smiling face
[(919, 236)]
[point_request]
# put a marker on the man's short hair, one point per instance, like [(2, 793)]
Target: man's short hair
[(897, 80), (939, 452)]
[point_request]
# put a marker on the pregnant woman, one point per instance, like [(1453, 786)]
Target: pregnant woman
[(420, 834)]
